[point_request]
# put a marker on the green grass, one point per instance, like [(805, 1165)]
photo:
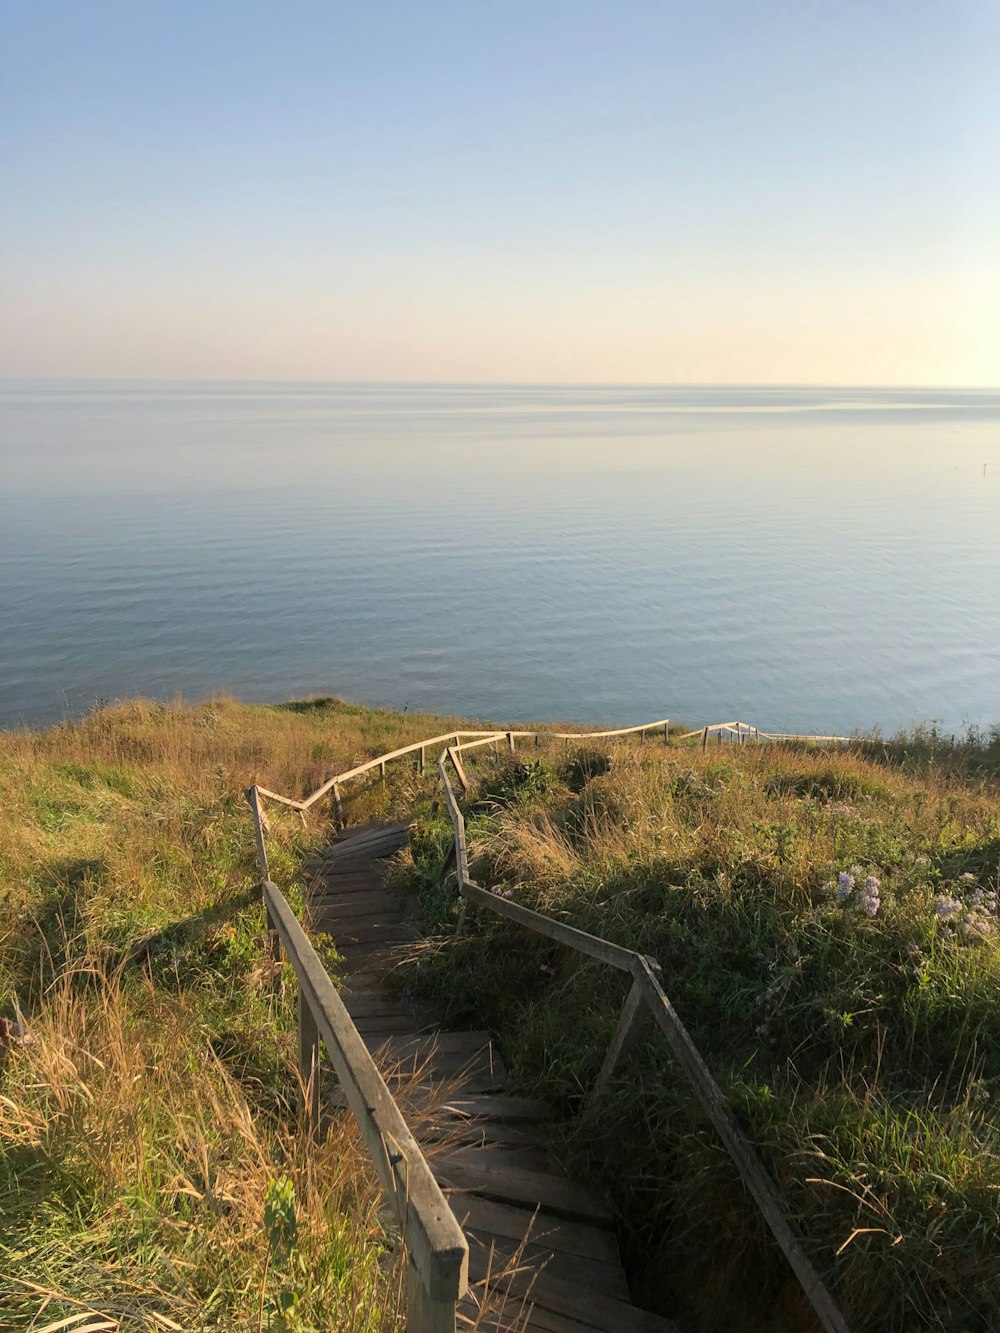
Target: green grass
[(152, 1169), (859, 1045)]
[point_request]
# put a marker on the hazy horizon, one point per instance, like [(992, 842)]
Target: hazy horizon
[(387, 382)]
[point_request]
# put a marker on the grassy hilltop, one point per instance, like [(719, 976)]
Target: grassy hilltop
[(148, 1124), (827, 925)]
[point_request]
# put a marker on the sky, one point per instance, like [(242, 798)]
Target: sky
[(663, 193)]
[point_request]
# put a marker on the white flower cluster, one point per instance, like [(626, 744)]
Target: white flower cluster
[(867, 899), (972, 916)]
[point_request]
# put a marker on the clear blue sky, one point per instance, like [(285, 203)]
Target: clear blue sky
[(756, 192)]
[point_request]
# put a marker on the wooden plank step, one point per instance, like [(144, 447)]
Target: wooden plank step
[(363, 984), (469, 1044), (509, 1184), (379, 956), (515, 1314), (362, 1004), (354, 831), (377, 1030), (480, 1132), (351, 860), (505, 1108), (479, 1076), (515, 1224), (588, 1307), (393, 930), (341, 887), (448, 1054), (523, 1156), (375, 904), (351, 881), (489, 1253), (374, 845)]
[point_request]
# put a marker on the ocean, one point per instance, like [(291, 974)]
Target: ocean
[(799, 558)]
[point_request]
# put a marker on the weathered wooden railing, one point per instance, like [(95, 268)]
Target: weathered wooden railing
[(646, 994), (738, 732), (333, 785), (436, 1247)]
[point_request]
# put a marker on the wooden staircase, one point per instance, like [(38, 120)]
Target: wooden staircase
[(543, 1253)]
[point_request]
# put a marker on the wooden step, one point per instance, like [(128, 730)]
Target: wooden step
[(489, 1253), (514, 1223), (480, 1132), (590, 1309), (543, 1254), (510, 1184), (380, 1028), (390, 930), (375, 904), (462, 1104)]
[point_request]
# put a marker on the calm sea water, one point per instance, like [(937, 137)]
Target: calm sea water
[(799, 558)]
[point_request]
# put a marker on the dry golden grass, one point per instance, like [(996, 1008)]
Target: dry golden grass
[(152, 1173)]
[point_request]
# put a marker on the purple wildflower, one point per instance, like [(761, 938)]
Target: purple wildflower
[(869, 897)]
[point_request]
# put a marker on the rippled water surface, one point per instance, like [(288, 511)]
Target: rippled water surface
[(799, 558)]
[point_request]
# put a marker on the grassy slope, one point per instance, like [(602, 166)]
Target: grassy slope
[(148, 1158), (860, 1051)]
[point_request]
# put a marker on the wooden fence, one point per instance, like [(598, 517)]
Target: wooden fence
[(436, 1246)]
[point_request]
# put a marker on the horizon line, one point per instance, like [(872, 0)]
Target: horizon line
[(492, 384)]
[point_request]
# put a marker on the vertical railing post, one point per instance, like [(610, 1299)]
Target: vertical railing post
[(424, 1312), (423, 757), (259, 825), (510, 741), (704, 739), (459, 769), (309, 1064), (666, 733), (625, 1034), (336, 806)]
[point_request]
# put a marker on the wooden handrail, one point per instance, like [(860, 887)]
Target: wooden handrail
[(746, 728), (436, 1246), (648, 989), (742, 730), (509, 736), (435, 1241)]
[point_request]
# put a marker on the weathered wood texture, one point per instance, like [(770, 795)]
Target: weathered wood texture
[(434, 1241), (544, 1247)]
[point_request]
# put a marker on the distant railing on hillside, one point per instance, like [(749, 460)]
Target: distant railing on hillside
[(733, 732)]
